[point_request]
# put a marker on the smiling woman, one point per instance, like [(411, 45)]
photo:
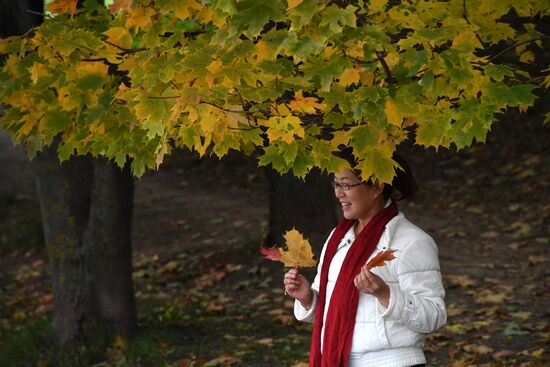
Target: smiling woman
[(379, 317)]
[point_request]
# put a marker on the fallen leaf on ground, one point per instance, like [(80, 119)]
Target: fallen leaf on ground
[(501, 354), (462, 281), (265, 341)]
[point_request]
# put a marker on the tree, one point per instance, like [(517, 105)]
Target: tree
[(86, 206), (291, 81)]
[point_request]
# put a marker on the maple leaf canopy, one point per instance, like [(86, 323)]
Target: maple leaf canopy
[(288, 81)]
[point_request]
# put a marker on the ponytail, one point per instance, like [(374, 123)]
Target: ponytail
[(403, 185)]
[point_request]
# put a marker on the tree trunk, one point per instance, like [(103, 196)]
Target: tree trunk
[(307, 205), (86, 209), (108, 241)]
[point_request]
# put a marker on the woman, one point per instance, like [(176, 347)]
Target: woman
[(379, 317)]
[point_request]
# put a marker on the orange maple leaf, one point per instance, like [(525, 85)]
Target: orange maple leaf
[(297, 255), (62, 7), (381, 258), (306, 105), (119, 5)]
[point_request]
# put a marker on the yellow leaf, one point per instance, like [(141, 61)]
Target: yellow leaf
[(466, 41), (284, 128), (38, 70), (395, 117), (339, 137), (298, 253), (265, 52), (120, 37), (305, 104), (527, 57), (184, 9), (294, 3), (349, 76), (377, 5), (140, 18)]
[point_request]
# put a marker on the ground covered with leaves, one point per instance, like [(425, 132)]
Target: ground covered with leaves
[(206, 297)]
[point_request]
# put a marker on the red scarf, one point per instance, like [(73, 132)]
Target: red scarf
[(342, 310)]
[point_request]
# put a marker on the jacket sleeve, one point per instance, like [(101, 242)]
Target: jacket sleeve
[(416, 301), (300, 312)]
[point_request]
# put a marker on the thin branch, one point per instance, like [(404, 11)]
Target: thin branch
[(243, 128), (465, 12), (163, 97), (380, 55), (102, 59), (222, 108), (492, 58), (39, 13), (126, 50)]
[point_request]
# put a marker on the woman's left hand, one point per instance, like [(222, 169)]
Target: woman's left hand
[(370, 283)]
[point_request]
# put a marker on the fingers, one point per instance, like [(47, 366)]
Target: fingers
[(366, 281), (292, 281)]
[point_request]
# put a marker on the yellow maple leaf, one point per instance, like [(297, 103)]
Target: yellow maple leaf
[(395, 116), (294, 3), (184, 9), (38, 70), (377, 5), (298, 253), (527, 57), (349, 76), (305, 104), (284, 128), (140, 18), (119, 36)]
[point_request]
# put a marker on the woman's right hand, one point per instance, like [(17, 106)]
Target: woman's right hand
[(298, 287)]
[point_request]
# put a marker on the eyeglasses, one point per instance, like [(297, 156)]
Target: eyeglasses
[(343, 186)]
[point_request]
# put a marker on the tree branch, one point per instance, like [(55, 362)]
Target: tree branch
[(492, 58), (380, 56), (126, 50)]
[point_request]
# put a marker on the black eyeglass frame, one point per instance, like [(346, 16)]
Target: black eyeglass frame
[(344, 186)]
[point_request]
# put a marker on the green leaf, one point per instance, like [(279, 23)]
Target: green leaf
[(377, 165), (337, 18), (56, 121), (498, 72), (364, 137), (274, 156)]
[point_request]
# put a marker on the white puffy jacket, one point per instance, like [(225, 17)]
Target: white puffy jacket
[(393, 336)]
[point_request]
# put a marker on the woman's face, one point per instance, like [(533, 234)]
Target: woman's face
[(359, 202)]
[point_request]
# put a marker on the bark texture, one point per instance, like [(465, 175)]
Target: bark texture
[(86, 207), (307, 205)]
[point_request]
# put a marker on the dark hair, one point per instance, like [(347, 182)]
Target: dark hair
[(403, 185)]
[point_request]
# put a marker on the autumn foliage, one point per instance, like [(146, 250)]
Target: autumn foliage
[(290, 81), (298, 253)]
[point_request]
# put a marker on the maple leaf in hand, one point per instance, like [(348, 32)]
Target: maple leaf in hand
[(381, 258), (297, 255)]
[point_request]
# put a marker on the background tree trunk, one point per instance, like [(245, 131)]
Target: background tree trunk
[(307, 205)]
